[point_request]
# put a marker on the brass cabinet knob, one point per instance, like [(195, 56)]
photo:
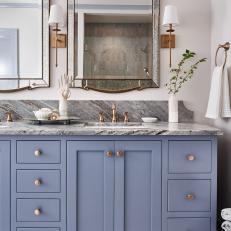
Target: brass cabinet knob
[(37, 153), (190, 197), (37, 182), (109, 153), (191, 157), (120, 153), (37, 212)]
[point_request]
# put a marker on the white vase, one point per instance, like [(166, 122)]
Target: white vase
[(63, 108), (173, 109)]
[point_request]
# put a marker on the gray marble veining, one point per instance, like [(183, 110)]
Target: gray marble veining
[(89, 110), (81, 129)]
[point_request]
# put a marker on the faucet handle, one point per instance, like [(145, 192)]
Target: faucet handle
[(113, 106), (101, 117), (9, 117), (126, 120)]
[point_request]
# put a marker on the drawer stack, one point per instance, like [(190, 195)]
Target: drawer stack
[(188, 180), (37, 195)]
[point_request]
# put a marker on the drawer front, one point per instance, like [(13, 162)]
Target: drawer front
[(38, 152), (189, 195), (192, 224), (38, 210), (190, 156), (38, 181), (38, 229)]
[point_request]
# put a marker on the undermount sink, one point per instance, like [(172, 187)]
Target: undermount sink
[(110, 125), (3, 126)]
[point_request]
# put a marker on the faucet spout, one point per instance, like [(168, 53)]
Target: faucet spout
[(114, 116)]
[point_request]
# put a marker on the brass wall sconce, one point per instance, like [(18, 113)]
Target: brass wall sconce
[(170, 20), (56, 20)]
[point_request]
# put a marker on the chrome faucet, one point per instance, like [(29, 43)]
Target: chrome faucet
[(114, 116)]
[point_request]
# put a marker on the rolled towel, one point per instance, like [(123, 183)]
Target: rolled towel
[(226, 225), (226, 214)]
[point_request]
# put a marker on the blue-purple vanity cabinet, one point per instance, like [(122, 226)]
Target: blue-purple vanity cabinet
[(4, 185), (117, 185), (113, 183)]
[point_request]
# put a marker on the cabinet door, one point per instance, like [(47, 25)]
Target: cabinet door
[(137, 186), (90, 185), (4, 185)]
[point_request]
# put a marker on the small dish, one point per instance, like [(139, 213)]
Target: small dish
[(149, 119)]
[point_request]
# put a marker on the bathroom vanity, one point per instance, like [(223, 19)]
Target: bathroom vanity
[(83, 177)]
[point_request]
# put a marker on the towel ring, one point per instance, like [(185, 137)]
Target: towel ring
[(226, 47)]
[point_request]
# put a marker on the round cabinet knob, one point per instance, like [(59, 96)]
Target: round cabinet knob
[(109, 154), (191, 157), (120, 153), (190, 197), (37, 212), (37, 153), (37, 182)]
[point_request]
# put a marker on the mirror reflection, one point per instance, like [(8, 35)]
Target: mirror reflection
[(116, 44), (118, 47), (23, 44)]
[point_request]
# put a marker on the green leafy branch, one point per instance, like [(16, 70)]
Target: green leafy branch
[(183, 73)]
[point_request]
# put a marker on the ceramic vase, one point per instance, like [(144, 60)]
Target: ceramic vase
[(173, 109), (63, 108)]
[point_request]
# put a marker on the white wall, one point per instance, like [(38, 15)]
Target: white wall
[(193, 33), (221, 33)]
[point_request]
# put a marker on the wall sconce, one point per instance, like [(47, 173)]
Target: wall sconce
[(170, 20), (56, 20)]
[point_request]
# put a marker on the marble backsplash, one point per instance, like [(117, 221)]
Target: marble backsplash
[(89, 110)]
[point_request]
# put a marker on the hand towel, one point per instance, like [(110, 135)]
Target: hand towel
[(226, 214), (213, 109), (226, 225), (226, 110)]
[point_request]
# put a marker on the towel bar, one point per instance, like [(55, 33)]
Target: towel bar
[(226, 47)]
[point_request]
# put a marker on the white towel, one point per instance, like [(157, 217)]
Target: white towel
[(226, 225), (226, 110), (226, 214), (213, 110), (219, 98)]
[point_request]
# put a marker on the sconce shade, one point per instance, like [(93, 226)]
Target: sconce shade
[(56, 15), (170, 16)]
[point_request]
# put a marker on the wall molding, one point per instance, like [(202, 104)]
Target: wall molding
[(112, 7), (20, 5)]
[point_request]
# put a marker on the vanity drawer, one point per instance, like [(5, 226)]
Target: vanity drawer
[(38, 152), (38, 229), (190, 156), (38, 181), (38, 210), (192, 224), (189, 195)]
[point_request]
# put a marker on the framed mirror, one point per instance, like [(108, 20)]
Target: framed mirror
[(113, 46), (24, 44)]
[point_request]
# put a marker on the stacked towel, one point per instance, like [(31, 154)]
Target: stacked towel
[(226, 226), (226, 215), (219, 98)]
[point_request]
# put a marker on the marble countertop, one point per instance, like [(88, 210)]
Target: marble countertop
[(160, 128)]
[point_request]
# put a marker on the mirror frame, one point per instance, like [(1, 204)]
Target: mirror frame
[(135, 84), (44, 81)]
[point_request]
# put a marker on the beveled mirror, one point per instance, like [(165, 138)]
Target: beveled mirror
[(113, 46), (24, 44)]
